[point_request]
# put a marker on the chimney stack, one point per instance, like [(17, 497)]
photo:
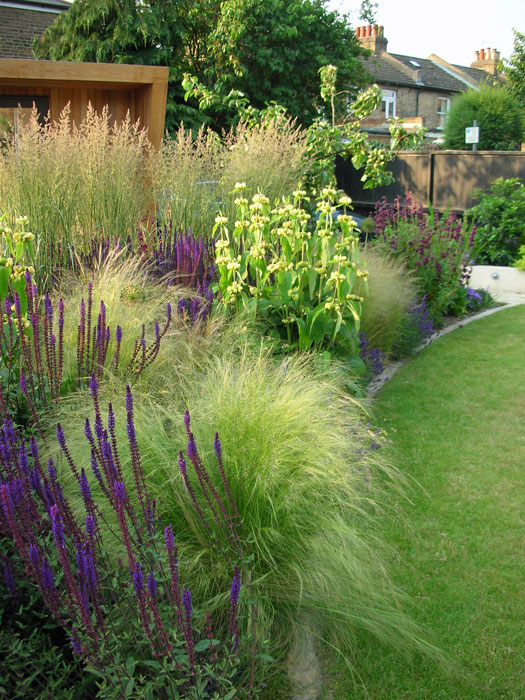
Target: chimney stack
[(487, 60), (372, 38)]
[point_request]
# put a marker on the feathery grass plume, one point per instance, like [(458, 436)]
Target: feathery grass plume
[(76, 183), (391, 291), (193, 174), (307, 485)]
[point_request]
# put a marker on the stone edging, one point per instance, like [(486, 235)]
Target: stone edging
[(390, 370)]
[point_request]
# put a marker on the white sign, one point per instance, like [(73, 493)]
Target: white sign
[(472, 134)]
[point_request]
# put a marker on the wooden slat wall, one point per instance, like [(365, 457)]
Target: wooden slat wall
[(446, 179), (141, 90)]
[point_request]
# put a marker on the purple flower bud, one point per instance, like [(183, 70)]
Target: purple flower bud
[(192, 447), (118, 334), (48, 581), (27, 276), (48, 306), (187, 420), (33, 448), (75, 642), (129, 400), (90, 526), (87, 431), (93, 386), (94, 466), (84, 487), (138, 581), (181, 307), (58, 530), (186, 601), (51, 470), (152, 586), (35, 481), (236, 586), (168, 538), (60, 437), (182, 465), (120, 491), (99, 428), (34, 556), (22, 459), (111, 419), (217, 446)]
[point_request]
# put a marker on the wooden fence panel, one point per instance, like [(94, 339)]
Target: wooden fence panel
[(445, 179)]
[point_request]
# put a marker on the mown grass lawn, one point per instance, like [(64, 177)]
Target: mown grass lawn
[(455, 416)]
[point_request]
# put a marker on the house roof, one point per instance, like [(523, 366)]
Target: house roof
[(432, 73), (42, 5)]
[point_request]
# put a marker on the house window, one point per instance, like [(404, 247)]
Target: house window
[(388, 104), (443, 107)]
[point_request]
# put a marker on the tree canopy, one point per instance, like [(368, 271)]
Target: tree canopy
[(498, 114), (270, 50), (515, 68)]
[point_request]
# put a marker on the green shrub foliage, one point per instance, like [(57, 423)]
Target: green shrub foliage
[(499, 217), (499, 118)]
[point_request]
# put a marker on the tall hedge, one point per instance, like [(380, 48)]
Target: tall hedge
[(499, 117)]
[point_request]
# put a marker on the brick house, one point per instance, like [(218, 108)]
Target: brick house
[(22, 20), (419, 90)]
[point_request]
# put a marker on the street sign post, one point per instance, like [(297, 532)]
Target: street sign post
[(472, 135)]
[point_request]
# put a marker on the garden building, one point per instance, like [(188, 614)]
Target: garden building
[(51, 85)]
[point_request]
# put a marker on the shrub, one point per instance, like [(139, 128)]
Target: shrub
[(304, 480), (499, 119), (391, 291), (75, 184), (499, 218), (435, 248)]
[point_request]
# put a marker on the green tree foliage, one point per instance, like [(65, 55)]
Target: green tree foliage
[(515, 68), (270, 50), (499, 119)]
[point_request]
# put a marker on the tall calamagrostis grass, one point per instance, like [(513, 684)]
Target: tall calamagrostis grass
[(303, 475), (76, 184), (391, 292), (194, 174)]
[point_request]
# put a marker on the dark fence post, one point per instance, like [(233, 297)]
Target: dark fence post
[(430, 187)]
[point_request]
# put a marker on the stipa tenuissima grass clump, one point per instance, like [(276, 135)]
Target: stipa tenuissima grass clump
[(306, 483)]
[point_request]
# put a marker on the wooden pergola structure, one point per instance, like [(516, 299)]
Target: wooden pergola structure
[(51, 85)]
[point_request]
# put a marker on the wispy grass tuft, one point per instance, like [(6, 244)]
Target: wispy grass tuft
[(304, 477), (391, 292)]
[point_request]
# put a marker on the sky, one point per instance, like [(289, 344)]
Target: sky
[(452, 29)]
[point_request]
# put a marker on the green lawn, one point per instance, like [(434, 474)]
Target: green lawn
[(455, 416)]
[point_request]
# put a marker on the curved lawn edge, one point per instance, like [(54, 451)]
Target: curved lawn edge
[(453, 421), (392, 368)]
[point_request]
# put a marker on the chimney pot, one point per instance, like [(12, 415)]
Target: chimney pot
[(374, 30), (477, 55), (482, 55), (369, 30)]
